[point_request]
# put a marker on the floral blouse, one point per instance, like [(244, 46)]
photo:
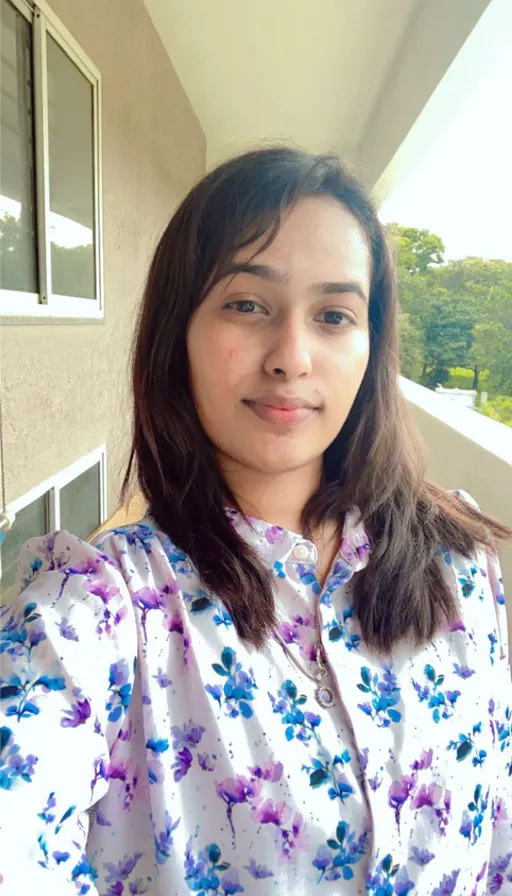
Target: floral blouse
[(147, 749)]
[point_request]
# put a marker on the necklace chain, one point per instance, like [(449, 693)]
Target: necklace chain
[(324, 694)]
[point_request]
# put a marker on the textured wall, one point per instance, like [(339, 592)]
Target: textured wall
[(65, 386)]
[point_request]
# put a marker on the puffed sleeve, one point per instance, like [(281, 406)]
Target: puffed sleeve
[(68, 644)]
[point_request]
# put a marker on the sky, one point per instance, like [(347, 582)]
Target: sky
[(462, 187)]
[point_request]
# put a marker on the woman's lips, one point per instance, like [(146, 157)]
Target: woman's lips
[(271, 414)]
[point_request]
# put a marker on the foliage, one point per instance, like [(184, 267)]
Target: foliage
[(500, 409), (416, 250), (457, 314)]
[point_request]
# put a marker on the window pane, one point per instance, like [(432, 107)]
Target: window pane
[(71, 219), (80, 511), (31, 522), (18, 269)]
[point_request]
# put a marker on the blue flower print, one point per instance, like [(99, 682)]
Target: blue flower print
[(14, 767), (334, 860), (288, 704), (307, 576), (339, 630), (385, 694), (18, 642), (279, 569), (467, 582), (237, 693), (441, 703), (388, 879), (465, 743), (473, 816), (205, 876), (493, 640), (120, 690), (322, 771)]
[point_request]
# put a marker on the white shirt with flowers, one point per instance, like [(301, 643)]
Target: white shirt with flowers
[(147, 749)]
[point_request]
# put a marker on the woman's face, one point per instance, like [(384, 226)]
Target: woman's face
[(278, 349)]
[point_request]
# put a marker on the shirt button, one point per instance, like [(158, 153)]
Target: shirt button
[(301, 552)]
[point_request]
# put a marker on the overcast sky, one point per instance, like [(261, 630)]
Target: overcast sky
[(462, 188)]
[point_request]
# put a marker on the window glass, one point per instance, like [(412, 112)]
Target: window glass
[(80, 510), (18, 265), (31, 522), (71, 154)]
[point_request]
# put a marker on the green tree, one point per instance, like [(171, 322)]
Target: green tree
[(500, 409), (416, 250), (411, 348), (492, 351)]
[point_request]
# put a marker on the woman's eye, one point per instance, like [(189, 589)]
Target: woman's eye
[(245, 306), (334, 318)]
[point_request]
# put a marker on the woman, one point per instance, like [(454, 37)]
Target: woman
[(292, 675)]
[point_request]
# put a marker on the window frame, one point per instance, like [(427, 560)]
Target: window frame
[(44, 304), (53, 485)]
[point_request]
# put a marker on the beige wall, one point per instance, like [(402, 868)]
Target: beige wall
[(64, 386)]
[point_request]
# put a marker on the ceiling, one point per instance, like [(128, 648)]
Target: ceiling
[(310, 71)]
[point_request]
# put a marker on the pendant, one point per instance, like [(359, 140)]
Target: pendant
[(325, 696)]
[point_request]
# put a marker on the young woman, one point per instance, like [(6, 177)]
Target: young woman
[(291, 677)]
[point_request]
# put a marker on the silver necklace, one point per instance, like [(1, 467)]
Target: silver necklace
[(324, 694)]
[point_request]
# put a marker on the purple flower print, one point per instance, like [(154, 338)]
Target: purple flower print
[(447, 885), (425, 761), (66, 630), (437, 799), (116, 873), (259, 872), (300, 630), (463, 671), (163, 680), (271, 771), (421, 857), (77, 715), (188, 736), (399, 793), (234, 791), (274, 534), (206, 762), (182, 764), (164, 839), (497, 870)]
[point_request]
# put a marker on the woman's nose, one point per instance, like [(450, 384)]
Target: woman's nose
[(289, 356)]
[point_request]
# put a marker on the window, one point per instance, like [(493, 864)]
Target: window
[(50, 210), (74, 499)]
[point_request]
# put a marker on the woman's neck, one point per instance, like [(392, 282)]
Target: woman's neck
[(277, 498)]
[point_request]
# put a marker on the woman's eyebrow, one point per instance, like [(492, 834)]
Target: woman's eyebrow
[(263, 271), (273, 275), (332, 288)]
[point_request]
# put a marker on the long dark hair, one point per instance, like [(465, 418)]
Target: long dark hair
[(374, 464)]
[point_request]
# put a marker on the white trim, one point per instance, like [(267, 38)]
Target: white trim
[(68, 43), (24, 8), (23, 305), (55, 483), (42, 161)]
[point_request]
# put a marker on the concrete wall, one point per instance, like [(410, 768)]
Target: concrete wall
[(64, 385)]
